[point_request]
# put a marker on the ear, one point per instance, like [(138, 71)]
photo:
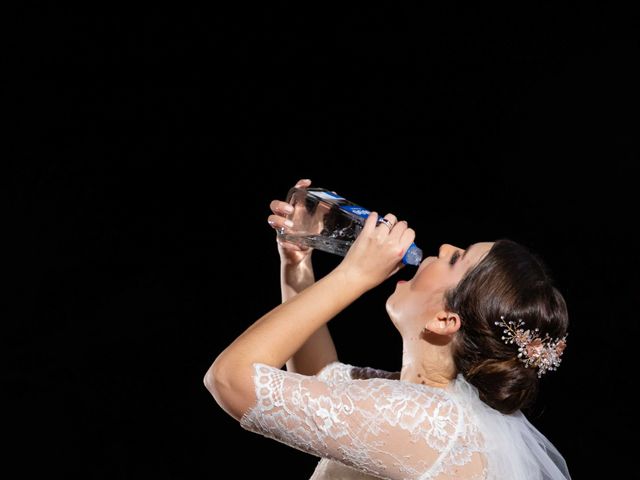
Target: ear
[(444, 323)]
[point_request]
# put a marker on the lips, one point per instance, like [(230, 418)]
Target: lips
[(401, 282)]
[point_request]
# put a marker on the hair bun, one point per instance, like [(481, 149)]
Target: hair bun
[(505, 385)]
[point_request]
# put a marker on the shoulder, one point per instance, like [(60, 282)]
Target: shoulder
[(369, 382), (422, 411)]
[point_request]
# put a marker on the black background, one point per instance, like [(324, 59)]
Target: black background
[(154, 139)]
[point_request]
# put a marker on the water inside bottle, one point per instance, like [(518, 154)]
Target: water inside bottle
[(320, 242), (320, 223)]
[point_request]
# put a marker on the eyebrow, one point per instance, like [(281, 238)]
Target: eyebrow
[(466, 250)]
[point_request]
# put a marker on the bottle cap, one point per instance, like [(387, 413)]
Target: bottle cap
[(413, 256)]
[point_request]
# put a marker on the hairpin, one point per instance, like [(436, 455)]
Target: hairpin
[(534, 351)]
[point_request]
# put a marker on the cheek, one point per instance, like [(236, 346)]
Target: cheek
[(434, 281), (426, 286), (425, 279)]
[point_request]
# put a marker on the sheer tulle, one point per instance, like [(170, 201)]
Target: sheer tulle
[(364, 424), (513, 447)]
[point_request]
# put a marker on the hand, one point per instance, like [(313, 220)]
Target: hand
[(290, 253), (377, 252)]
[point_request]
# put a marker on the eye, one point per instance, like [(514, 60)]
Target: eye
[(454, 257)]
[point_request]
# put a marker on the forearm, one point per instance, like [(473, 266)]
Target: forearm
[(275, 338), (294, 278), (319, 350)]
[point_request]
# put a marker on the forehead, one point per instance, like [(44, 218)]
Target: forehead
[(477, 251)]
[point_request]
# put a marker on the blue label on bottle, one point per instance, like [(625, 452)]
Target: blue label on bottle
[(356, 210), (326, 195)]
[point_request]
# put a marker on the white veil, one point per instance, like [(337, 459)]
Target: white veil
[(514, 448)]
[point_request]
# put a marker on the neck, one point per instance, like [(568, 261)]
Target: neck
[(427, 361)]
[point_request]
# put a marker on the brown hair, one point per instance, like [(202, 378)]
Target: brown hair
[(511, 282)]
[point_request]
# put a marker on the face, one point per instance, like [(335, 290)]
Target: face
[(421, 298)]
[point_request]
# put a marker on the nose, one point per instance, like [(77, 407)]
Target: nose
[(446, 249)]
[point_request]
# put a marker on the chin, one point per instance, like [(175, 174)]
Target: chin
[(390, 306)]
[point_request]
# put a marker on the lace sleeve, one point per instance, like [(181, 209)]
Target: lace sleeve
[(381, 427)]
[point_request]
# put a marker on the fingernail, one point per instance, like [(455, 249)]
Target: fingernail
[(288, 223), (288, 209)]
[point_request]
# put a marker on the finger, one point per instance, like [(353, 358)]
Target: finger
[(387, 223), (407, 239), (277, 222), (370, 223), (281, 208), (399, 229), (391, 217), (303, 183)]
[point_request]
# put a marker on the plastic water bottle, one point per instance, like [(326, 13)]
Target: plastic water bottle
[(326, 221)]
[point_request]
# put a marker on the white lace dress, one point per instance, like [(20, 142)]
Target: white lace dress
[(366, 425)]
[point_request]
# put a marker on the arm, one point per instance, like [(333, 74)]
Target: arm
[(275, 338), (389, 429), (319, 350), (296, 274), (278, 335)]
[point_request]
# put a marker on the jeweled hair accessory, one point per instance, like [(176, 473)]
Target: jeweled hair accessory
[(542, 353)]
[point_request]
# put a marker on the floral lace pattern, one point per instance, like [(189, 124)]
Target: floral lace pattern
[(378, 426)]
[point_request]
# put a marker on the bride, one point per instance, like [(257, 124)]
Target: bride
[(479, 326)]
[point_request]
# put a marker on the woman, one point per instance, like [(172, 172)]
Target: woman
[(479, 327)]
